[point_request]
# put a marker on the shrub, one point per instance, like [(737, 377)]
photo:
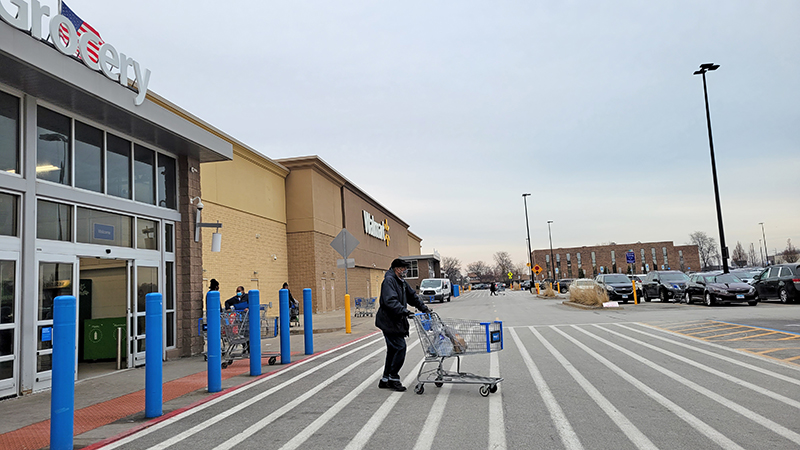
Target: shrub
[(589, 297), (548, 291)]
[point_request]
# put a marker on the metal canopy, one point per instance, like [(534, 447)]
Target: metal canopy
[(38, 69)]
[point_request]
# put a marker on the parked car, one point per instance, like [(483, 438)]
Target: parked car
[(638, 281), (666, 285), (563, 285), (714, 288), (435, 289), (525, 284), (781, 281), (617, 286), (583, 284), (747, 274)]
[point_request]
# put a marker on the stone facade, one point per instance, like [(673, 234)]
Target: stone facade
[(612, 259)]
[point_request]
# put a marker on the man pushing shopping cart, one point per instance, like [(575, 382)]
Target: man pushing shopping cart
[(392, 319)]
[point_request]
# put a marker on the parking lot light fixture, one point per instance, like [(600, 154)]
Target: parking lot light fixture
[(552, 261), (766, 252), (528, 228), (702, 71)]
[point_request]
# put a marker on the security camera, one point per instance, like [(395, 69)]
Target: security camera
[(108, 251), (199, 206)]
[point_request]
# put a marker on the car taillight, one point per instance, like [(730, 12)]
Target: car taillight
[(796, 280)]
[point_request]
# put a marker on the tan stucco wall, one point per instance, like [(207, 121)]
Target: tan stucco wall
[(414, 244)]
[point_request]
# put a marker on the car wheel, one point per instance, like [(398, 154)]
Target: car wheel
[(783, 295), (644, 296), (662, 294), (753, 303), (709, 300), (687, 298)]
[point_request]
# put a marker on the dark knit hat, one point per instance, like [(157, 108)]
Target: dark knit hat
[(214, 285), (400, 263)]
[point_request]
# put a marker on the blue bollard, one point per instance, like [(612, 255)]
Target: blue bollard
[(308, 327), (254, 305), (213, 342), (456, 290), (286, 347), (62, 397), (153, 345)]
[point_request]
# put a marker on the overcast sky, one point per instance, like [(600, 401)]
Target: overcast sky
[(446, 112)]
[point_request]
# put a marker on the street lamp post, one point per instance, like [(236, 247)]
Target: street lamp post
[(766, 252), (527, 227), (703, 69), (552, 261), (761, 250)]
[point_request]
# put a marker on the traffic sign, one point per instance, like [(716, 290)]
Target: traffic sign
[(537, 269), (344, 243), (630, 257), (510, 275)]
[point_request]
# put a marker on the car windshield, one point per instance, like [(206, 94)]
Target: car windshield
[(673, 277), (431, 283), (724, 278), (617, 279)]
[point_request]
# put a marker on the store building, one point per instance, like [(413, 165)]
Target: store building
[(588, 262), (96, 177)]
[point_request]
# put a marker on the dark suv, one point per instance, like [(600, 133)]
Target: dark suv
[(667, 285), (781, 281), (617, 285)]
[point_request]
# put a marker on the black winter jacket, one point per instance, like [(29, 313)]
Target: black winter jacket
[(396, 295)]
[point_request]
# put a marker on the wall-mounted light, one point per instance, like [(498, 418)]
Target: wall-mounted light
[(216, 238), (274, 257)]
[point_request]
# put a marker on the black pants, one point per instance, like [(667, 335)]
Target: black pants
[(395, 356)]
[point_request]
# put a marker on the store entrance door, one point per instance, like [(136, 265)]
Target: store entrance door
[(145, 276)]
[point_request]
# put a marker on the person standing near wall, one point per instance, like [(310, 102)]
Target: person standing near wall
[(392, 319)]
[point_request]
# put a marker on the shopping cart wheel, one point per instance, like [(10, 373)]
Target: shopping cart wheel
[(438, 382), (484, 390), (224, 365), (205, 357), (419, 389), (272, 361), (493, 388)]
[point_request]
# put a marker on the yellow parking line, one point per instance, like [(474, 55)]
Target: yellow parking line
[(793, 358), (754, 336), (710, 328), (728, 334), (764, 352)]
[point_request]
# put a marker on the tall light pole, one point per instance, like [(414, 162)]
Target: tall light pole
[(527, 227), (761, 250), (766, 252), (552, 261), (703, 69)]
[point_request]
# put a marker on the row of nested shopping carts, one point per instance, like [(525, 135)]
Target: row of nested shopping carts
[(365, 306), (235, 334), (443, 338)]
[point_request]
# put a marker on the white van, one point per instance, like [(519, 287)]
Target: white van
[(435, 289)]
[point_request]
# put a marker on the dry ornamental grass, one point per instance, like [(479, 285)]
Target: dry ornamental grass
[(589, 297)]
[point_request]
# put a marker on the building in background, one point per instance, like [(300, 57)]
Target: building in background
[(587, 262)]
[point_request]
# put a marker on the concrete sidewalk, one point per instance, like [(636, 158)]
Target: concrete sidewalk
[(113, 403)]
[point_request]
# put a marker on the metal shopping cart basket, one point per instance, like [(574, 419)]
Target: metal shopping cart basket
[(445, 338), (235, 334)]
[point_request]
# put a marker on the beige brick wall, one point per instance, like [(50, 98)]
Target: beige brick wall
[(248, 245)]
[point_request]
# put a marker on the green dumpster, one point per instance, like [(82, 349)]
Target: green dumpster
[(100, 337)]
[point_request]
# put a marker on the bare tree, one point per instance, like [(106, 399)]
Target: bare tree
[(451, 267), (706, 246), (479, 268), (739, 256), (752, 257), (791, 253), (503, 264)]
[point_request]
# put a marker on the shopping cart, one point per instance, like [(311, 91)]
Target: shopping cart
[(365, 306), (235, 335), (445, 338)]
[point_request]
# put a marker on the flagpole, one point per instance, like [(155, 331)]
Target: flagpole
[(59, 6)]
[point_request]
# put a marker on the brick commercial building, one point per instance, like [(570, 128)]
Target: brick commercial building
[(587, 262)]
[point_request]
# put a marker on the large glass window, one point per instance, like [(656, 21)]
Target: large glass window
[(118, 165), (8, 214), (166, 182), (53, 147), (146, 234), (104, 228), (54, 279), (88, 157), (143, 171), (169, 303), (7, 321), (9, 133), (169, 231), (413, 270), (53, 221)]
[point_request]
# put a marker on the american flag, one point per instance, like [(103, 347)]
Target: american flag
[(81, 27)]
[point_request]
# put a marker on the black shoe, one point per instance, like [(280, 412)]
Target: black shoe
[(384, 385), (396, 386)]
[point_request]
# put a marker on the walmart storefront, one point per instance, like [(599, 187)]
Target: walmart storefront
[(96, 177)]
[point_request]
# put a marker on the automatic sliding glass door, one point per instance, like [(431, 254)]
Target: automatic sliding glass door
[(9, 323), (145, 280), (56, 277)]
